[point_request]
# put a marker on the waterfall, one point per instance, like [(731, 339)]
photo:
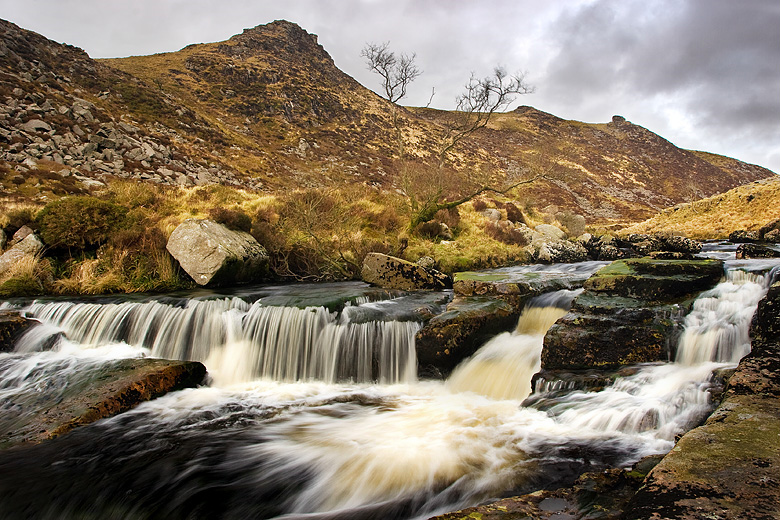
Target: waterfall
[(504, 366), (239, 341)]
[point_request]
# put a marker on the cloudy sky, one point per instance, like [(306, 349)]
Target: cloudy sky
[(705, 74)]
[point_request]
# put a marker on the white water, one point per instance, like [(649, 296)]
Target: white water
[(333, 447), (239, 341)]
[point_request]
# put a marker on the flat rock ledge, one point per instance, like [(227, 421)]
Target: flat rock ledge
[(116, 387)]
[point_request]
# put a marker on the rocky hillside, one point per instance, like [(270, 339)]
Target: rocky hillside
[(268, 110), (747, 208)]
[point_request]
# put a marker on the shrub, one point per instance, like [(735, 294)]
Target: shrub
[(232, 219), (79, 222)]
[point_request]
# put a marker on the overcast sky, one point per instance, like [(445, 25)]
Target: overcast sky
[(704, 74)]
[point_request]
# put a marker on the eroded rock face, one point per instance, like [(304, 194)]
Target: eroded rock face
[(390, 272), (215, 255), (630, 313)]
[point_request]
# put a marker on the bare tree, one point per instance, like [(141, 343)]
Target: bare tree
[(396, 72), (480, 100)]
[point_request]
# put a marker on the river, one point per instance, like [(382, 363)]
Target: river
[(314, 409)]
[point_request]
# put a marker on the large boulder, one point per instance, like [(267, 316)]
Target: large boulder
[(390, 272), (215, 255), (629, 313), (456, 334), (561, 251), (29, 246)]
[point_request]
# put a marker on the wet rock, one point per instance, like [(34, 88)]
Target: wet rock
[(599, 495), (12, 325), (656, 280), (215, 255), (749, 250), (631, 312), (395, 273), (95, 392), (454, 335)]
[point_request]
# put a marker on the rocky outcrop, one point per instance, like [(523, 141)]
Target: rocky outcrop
[(390, 272), (629, 313), (661, 246), (215, 255), (727, 468), (28, 247), (117, 387), (456, 334), (12, 325), (749, 250)]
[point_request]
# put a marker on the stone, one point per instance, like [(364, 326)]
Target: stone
[(3, 239), (561, 251), (749, 250), (12, 325), (630, 312), (773, 236), (119, 386), (741, 236), (395, 273), (550, 232), (215, 255), (36, 125), (492, 214), (769, 228), (426, 262), (20, 234), (30, 246), (451, 337)]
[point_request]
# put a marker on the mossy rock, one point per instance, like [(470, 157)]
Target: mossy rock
[(456, 334), (656, 280)]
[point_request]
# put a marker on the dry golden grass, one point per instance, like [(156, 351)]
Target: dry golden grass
[(747, 207)]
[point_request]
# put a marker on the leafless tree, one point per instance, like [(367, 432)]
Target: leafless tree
[(397, 72)]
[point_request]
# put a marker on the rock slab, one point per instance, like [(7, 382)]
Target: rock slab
[(390, 272), (215, 255), (12, 325), (94, 393)]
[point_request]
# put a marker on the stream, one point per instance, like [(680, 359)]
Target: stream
[(314, 409)]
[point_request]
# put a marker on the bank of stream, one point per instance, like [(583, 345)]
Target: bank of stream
[(313, 407)]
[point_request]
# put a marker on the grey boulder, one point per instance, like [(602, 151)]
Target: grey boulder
[(215, 255)]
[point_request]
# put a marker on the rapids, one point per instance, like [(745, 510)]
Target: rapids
[(315, 411)]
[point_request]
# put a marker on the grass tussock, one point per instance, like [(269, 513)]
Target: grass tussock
[(30, 276), (747, 207)]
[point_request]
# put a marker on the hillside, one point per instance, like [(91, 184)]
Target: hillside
[(268, 110), (747, 208)]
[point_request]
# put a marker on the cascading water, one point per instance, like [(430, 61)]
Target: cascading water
[(284, 440), (239, 341)]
